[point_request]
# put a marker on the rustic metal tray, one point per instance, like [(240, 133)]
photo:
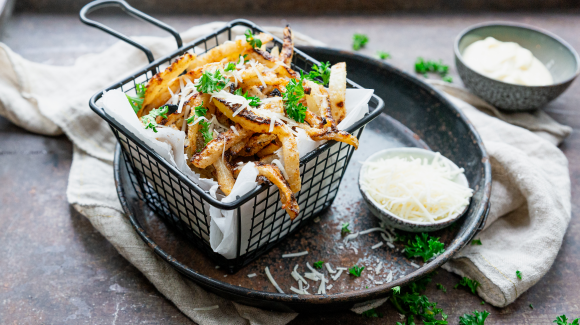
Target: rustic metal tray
[(416, 115)]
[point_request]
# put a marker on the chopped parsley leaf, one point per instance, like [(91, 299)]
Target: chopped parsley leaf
[(415, 305), (230, 67), (320, 71), (292, 96), (448, 79), (563, 320), (150, 120), (441, 287), (476, 242), (199, 112), (254, 42), (254, 100), (356, 270), (137, 102), (397, 290), (483, 302), (318, 264), (372, 313), (531, 306), (345, 229), (467, 282), (211, 83), (205, 131), (359, 41), (478, 318), (383, 55), (424, 246), (519, 274), (424, 67)]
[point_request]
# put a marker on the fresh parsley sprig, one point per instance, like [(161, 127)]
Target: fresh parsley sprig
[(199, 112), (372, 313), (292, 96), (344, 228), (356, 270), (205, 131), (415, 305), (320, 71), (230, 67), (254, 100), (359, 41), (467, 282), (318, 264), (383, 55), (563, 320), (519, 274), (423, 246), (441, 287), (252, 40), (429, 66), (211, 82), (150, 120), (476, 242), (478, 318), (137, 102)]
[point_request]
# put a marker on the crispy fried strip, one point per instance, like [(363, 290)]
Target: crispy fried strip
[(237, 147), (268, 150), (224, 176), (320, 98), (330, 133), (248, 120), (256, 143), (229, 51), (214, 149), (192, 129), (287, 47), (272, 62), (268, 159), (276, 106), (337, 91), (161, 80), (273, 174), (314, 120)]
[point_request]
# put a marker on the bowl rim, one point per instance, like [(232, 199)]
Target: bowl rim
[(390, 214), (558, 39)]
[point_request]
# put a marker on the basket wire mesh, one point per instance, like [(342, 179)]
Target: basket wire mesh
[(261, 223)]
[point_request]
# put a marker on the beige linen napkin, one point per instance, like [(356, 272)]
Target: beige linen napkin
[(530, 194)]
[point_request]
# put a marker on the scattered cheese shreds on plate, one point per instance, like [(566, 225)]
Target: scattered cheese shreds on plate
[(272, 280), (415, 265), (295, 254), (252, 275), (206, 308), (414, 189)]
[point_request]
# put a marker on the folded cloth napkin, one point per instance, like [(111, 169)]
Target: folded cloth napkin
[(530, 194)]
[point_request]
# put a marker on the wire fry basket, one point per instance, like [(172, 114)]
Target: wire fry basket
[(183, 204)]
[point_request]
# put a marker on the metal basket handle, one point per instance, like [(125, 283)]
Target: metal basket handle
[(99, 4)]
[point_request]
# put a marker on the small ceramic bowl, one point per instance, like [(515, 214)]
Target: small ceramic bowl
[(399, 223), (560, 58)]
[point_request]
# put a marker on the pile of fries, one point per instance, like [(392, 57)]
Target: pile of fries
[(240, 103)]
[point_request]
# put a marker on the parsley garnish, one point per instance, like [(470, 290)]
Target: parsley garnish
[(478, 318), (356, 270), (413, 304), (383, 55), (423, 67), (199, 112), (319, 71), (483, 302), (230, 67), (519, 274), (150, 121), (210, 83), (372, 313), (318, 264), (345, 229), (359, 41), (467, 282), (295, 92), (205, 131), (424, 246), (254, 100), (563, 320), (531, 306), (441, 287), (254, 42), (137, 102), (476, 242)]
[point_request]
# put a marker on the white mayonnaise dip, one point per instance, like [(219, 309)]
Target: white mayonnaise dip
[(507, 62)]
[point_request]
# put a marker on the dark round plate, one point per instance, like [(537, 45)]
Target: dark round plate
[(416, 115)]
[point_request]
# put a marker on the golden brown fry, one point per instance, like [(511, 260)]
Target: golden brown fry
[(275, 52), (259, 124), (229, 51), (273, 174), (337, 91), (268, 159), (271, 62), (237, 147), (268, 150), (320, 99), (314, 120), (287, 47), (256, 143), (330, 133), (224, 176), (214, 149), (191, 141), (276, 106), (159, 83)]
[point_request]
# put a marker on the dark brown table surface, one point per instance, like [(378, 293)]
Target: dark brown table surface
[(55, 268)]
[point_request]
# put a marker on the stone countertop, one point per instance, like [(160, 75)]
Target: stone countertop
[(57, 269)]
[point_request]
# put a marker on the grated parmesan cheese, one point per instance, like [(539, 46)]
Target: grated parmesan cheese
[(414, 189), (414, 265), (272, 280), (294, 254), (251, 275), (379, 244)]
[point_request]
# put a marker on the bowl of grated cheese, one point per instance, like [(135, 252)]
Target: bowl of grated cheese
[(414, 189)]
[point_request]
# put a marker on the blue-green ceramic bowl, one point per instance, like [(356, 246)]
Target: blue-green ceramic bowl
[(559, 57)]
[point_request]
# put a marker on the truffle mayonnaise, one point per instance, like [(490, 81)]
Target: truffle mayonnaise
[(507, 62)]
